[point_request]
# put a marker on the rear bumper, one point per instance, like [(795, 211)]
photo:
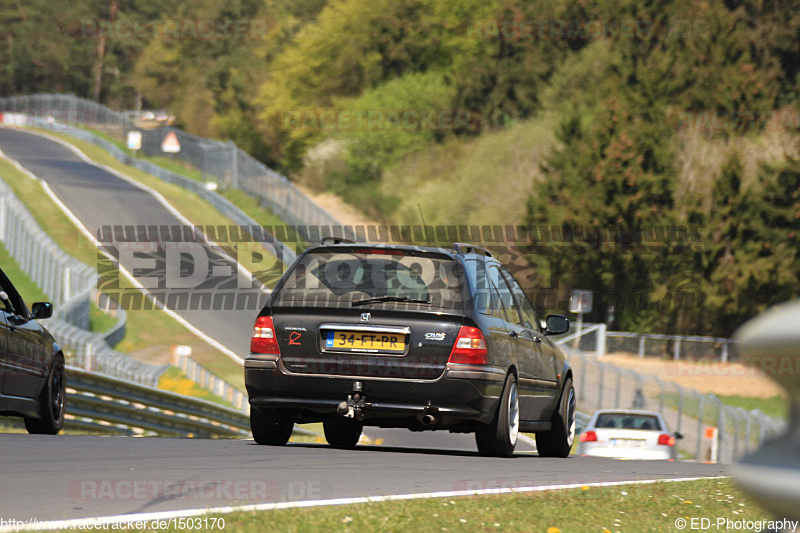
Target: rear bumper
[(461, 393), (626, 453)]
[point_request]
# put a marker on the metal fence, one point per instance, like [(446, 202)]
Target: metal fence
[(596, 338), (676, 346), (222, 162), (71, 286), (601, 385)]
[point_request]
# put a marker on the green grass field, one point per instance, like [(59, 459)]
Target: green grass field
[(653, 507), (175, 380)]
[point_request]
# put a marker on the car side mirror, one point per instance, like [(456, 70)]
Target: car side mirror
[(42, 310), (556, 324), (678, 435)]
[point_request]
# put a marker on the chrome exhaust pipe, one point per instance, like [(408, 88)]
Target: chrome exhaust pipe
[(427, 420)]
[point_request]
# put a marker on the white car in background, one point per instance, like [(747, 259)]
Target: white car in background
[(628, 434)]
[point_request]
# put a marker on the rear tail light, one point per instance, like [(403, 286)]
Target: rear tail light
[(470, 347), (589, 436), (263, 339), (666, 440)]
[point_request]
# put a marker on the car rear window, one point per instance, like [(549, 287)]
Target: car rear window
[(628, 421), (352, 278)]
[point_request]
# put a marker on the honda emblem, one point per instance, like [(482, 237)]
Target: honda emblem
[(365, 317)]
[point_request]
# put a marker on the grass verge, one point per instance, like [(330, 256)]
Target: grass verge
[(654, 507), (25, 286), (174, 380)]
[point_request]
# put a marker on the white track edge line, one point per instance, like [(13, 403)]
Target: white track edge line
[(186, 513), (83, 229)]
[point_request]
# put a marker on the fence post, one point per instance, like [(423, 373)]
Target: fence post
[(66, 284), (720, 428), (725, 351), (641, 346), (700, 412), (3, 217), (600, 387), (234, 166), (601, 340), (677, 350)]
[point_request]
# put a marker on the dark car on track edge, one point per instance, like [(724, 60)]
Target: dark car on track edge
[(32, 373)]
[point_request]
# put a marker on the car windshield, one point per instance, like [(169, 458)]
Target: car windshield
[(373, 278), (628, 421)]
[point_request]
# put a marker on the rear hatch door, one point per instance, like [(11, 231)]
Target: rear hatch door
[(369, 311)]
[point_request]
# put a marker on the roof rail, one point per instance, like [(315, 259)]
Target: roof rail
[(464, 248), (335, 240)]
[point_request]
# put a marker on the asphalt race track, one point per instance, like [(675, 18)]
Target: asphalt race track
[(50, 478)]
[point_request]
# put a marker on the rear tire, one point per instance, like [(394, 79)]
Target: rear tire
[(499, 438), (272, 427), (341, 432), (558, 441), (52, 402)]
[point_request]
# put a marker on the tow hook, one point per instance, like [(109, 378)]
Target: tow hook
[(355, 404)]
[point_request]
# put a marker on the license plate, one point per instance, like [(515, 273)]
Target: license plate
[(363, 341), (628, 443)]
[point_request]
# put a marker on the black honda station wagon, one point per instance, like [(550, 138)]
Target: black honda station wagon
[(404, 336)]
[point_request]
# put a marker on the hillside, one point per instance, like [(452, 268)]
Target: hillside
[(562, 114)]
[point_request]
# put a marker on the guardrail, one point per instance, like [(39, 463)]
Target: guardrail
[(101, 401)]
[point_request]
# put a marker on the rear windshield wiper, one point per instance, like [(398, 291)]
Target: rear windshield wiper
[(403, 299)]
